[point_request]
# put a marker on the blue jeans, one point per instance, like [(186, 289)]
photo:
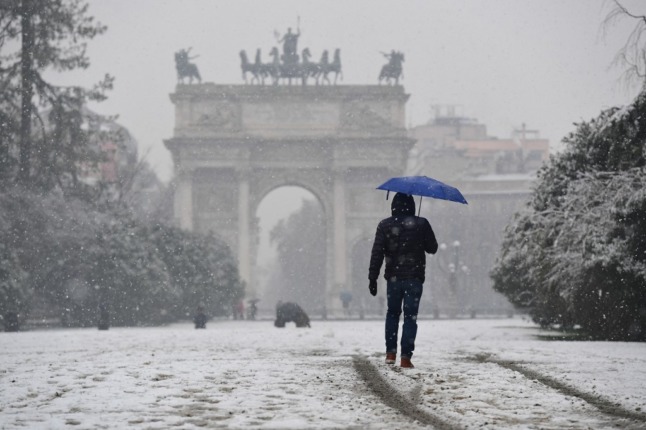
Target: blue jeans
[(408, 292)]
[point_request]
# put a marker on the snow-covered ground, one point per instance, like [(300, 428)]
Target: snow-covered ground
[(243, 374)]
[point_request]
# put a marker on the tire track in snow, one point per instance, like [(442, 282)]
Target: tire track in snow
[(393, 398), (604, 405)]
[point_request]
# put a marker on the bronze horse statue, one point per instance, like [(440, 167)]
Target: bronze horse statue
[(393, 70), (274, 69), (309, 69), (254, 68), (333, 67)]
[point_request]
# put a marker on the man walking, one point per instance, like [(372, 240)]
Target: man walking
[(402, 239)]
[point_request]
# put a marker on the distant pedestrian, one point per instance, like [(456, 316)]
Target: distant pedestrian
[(104, 316), (252, 310), (402, 240), (238, 310), (346, 298), (200, 318)]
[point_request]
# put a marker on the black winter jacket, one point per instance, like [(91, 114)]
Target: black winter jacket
[(402, 240)]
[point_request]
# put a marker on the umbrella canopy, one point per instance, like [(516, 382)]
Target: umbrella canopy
[(423, 186)]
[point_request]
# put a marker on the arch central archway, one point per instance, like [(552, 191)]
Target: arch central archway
[(290, 251), (233, 144)]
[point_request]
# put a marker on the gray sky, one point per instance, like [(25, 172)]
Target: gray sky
[(545, 63)]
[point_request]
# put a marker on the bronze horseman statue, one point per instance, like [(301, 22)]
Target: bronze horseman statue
[(186, 69), (393, 70)]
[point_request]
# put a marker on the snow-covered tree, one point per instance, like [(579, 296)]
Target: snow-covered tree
[(43, 236), (576, 255), (200, 267), (69, 243), (128, 276)]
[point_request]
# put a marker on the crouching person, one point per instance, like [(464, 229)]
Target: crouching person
[(291, 312)]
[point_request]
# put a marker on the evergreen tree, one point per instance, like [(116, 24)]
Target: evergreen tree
[(14, 298), (201, 268), (575, 256), (129, 277), (38, 36), (61, 240), (300, 243)]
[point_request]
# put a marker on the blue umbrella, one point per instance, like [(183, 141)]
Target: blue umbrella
[(423, 186)]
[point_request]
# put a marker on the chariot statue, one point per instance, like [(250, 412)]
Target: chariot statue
[(289, 65), (290, 46)]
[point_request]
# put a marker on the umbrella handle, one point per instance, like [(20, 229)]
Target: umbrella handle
[(387, 194), (419, 209)]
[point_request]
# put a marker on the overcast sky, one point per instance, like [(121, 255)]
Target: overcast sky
[(505, 62)]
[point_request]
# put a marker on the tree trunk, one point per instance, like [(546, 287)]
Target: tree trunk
[(27, 90), (4, 149)]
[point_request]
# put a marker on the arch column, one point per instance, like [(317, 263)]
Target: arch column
[(339, 242), (183, 201), (244, 226)]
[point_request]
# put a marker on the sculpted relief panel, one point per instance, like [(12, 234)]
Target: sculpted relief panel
[(220, 115), (215, 192), (259, 117), (289, 154), (211, 199), (369, 117), (206, 152)]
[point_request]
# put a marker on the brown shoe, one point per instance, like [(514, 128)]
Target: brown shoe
[(406, 363), (391, 357)]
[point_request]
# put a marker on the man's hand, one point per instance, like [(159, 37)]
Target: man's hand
[(373, 287)]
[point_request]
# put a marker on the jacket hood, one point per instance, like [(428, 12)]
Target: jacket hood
[(403, 204)]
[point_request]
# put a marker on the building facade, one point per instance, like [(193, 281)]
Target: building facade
[(496, 176)]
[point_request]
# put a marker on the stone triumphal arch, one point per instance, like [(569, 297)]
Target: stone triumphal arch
[(233, 144)]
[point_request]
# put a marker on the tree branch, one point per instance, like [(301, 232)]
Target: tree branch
[(626, 12)]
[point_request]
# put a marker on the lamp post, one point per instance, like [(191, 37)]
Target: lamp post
[(454, 267)]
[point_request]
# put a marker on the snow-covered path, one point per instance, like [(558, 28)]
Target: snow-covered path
[(239, 374)]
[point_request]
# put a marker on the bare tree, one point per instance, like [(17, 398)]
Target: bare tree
[(632, 56)]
